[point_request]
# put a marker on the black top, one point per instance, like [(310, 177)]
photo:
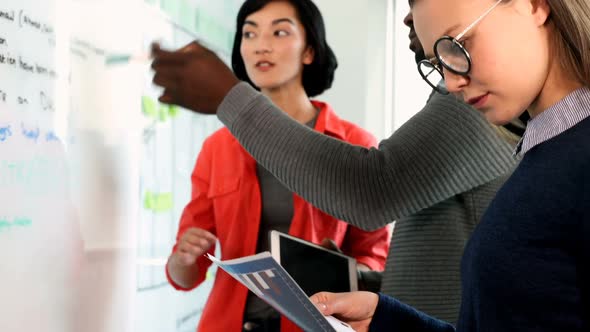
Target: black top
[(276, 214)]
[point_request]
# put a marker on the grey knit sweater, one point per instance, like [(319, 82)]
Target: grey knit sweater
[(435, 176)]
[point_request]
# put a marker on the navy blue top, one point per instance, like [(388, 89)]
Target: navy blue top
[(526, 266)]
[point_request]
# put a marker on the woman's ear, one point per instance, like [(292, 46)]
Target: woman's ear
[(308, 55), (540, 11)]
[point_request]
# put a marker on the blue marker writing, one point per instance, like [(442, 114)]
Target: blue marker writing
[(50, 136), (30, 134), (5, 133)]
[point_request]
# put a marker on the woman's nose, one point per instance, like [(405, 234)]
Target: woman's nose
[(453, 82), (264, 45)]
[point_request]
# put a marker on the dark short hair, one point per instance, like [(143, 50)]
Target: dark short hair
[(317, 76)]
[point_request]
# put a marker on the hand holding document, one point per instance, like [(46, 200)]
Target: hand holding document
[(267, 279)]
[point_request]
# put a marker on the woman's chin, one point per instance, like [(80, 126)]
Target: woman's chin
[(266, 84), (497, 118)]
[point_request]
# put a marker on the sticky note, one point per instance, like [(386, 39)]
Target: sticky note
[(158, 202)]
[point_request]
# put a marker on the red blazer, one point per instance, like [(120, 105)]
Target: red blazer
[(226, 201)]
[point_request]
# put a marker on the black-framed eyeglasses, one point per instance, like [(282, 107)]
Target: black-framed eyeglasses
[(450, 54)]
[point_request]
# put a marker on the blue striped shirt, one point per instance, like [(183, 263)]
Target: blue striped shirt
[(558, 118)]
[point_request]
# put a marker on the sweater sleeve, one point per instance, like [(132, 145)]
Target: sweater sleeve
[(446, 149), (392, 315)]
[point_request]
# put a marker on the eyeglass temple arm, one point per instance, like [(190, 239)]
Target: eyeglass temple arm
[(459, 36)]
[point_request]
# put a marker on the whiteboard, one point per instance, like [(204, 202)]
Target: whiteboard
[(40, 240), (94, 172)]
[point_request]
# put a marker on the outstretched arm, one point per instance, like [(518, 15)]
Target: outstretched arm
[(445, 149)]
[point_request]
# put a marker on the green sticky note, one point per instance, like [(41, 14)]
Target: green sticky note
[(173, 111), (23, 222), (149, 107), (4, 225), (166, 112), (117, 59), (158, 203), (164, 203), (156, 110), (162, 112), (148, 200)]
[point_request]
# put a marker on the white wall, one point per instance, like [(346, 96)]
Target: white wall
[(356, 32), (409, 90), (377, 85)]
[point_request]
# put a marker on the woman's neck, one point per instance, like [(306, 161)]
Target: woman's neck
[(293, 101), (558, 85)]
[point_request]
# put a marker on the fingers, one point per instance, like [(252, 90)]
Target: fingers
[(192, 77), (345, 304), (166, 80), (164, 57), (354, 306), (323, 301), (186, 258), (167, 98), (190, 249), (194, 243), (169, 69), (198, 236), (331, 245), (194, 46), (171, 81)]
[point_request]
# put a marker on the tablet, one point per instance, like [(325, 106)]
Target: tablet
[(313, 267)]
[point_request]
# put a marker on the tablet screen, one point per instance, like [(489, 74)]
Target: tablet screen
[(314, 268)]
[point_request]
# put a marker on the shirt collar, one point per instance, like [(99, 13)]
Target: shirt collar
[(328, 122), (558, 118)]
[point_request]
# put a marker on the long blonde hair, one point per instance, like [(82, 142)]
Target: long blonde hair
[(571, 19), (571, 39)]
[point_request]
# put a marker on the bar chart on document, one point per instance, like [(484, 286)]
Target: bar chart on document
[(267, 279)]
